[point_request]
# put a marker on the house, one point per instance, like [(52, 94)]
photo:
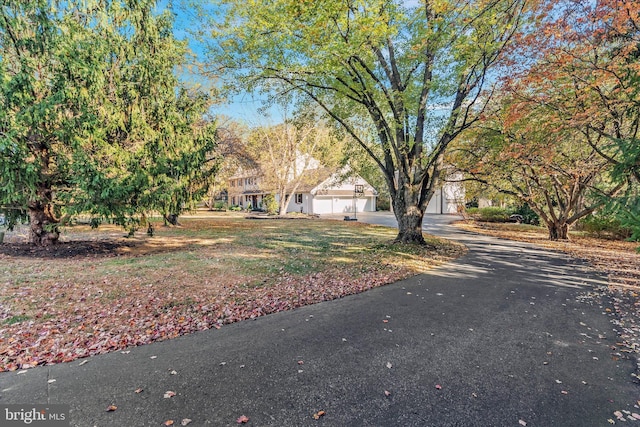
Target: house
[(449, 198), (325, 192), (329, 192)]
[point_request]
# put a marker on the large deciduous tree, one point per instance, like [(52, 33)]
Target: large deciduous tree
[(92, 118), (526, 150), (402, 78), (587, 70)]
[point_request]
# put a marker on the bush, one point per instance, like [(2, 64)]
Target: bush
[(270, 205), (608, 226), (489, 214), (383, 204), (235, 208), (528, 215), (220, 206)]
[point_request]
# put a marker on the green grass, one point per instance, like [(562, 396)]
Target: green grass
[(15, 319)]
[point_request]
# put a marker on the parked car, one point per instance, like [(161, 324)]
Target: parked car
[(517, 218)]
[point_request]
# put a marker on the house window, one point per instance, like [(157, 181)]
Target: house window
[(299, 198), (233, 182)]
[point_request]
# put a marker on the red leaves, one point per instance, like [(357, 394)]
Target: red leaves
[(242, 419), (112, 304), (111, 408)]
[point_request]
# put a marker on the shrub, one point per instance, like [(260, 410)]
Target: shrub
[(528, 215), (489, 214), (472, 211), (270, 205), (600, 225), (383, 204)]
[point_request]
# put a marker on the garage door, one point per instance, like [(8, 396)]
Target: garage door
[(322, 205)]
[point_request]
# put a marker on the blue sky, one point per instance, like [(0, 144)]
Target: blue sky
[(242, 107)]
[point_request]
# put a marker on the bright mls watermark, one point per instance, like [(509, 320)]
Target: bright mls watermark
[(34, 415)]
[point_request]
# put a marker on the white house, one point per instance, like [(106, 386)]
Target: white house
[(448, 199), (335, 195), (328, 193)]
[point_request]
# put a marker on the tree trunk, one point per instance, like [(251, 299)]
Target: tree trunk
[(284, 203), (43, 225), (558, 230), (409, 216)]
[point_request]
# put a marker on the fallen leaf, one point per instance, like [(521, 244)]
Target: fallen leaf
[(300, 362), (111, 408), (242, 419), (318, 414), (173, 373), (185, 421), (438, 386), (83, 362), (51, 381), (385, 321), (153, 357), (387, 393), (389, 365), (168, 423), (522, 422), (168, 394), (564, 392), (138, 390)]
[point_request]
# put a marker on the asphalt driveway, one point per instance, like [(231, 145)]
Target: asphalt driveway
[(508, 335)]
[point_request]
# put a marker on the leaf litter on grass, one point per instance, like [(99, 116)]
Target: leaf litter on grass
[(202, 275)]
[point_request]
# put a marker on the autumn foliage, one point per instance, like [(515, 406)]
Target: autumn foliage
[(204, 275)]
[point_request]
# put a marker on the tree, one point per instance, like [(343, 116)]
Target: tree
[(291, 154), (93, 118), (587, 70), (409, 74), (525, 150), (232, 154)]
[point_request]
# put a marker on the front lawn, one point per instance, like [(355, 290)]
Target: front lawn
[(99, 292)]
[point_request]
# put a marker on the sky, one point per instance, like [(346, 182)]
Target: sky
[(243, 107)]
